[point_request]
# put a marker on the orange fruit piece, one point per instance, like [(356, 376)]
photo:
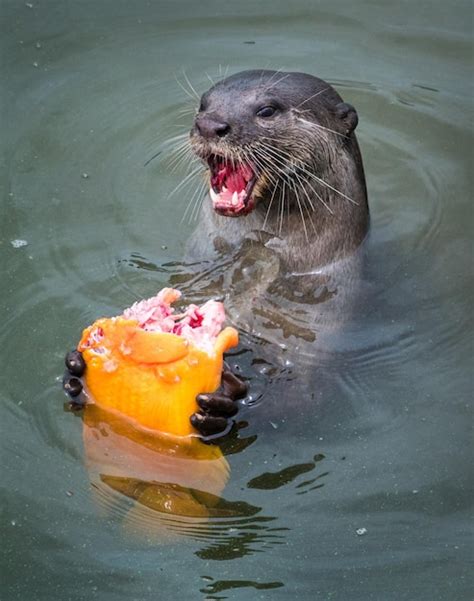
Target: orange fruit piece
[(151, 376)]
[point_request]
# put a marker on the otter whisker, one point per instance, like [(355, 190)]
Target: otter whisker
[(318, 126), (181, 156), (301, 183), (199, 199), (210, 78), (187, 110), (253, 155), (269, 207), (313, 96), (282, 208), (301, 212), (320, 198), (177, 142), (221, 75), (321, 181), (185, 160), (184, 181), (164, 145), (277, 82), (193, 206), (188, 94), (179, 145), (269, 87), (193, 90), (174, 140)]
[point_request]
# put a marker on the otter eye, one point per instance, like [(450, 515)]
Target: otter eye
[(266, 111)]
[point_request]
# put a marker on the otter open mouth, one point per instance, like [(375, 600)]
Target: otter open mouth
[(232, 185)]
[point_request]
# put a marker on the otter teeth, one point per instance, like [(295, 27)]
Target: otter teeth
[(235, 198), (214, 196)]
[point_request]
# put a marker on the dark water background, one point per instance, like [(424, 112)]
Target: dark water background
[(362, 490)]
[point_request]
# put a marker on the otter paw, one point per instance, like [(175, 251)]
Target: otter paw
[(218, 407), (72, 383)]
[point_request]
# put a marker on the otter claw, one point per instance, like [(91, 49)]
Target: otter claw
[(217, 404), (218, 407), (207, 424), (75, 363), (72, 385), (233, 386)]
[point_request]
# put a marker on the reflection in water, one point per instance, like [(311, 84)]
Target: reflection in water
[(218, 586), (169, 475), (231, 539), (270, 481), (162, 486)]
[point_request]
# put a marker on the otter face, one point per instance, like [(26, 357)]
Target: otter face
[(258, 132)]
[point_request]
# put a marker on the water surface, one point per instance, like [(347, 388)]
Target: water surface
[(358, 489)]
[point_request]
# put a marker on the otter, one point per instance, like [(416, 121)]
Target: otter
[(282, 158), (285, 172)]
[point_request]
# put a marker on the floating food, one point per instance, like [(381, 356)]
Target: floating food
[(150, 363)]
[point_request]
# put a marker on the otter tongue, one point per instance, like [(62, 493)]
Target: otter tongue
[(235, 182)]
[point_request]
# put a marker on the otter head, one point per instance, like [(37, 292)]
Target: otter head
[(264, 133)]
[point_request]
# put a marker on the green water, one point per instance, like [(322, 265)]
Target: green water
[(383, 443)]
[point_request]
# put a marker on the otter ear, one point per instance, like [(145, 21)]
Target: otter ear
[(348, 115)]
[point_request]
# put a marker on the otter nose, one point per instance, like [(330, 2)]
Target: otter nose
[(209, 127)]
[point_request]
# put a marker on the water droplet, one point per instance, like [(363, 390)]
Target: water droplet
[(164, 247), (13, 523), (38, 45), (29, 5), (361, 531), (85, 176), (274, 425), (19, 243)]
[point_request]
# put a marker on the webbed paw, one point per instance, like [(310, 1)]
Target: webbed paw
[(72, 383), (216, 408)]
